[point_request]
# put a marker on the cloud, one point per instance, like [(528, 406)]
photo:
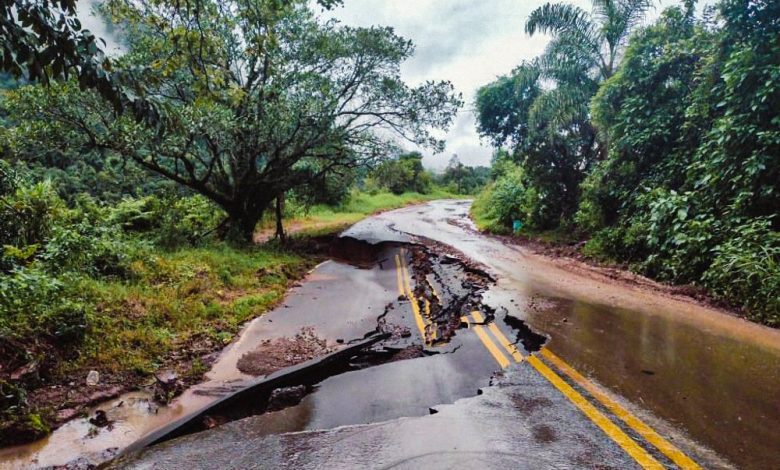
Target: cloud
[(468, 42)]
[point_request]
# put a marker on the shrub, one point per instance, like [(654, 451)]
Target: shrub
[(746, 270)]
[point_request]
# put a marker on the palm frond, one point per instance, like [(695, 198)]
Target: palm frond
[(565, 60), (634, 11), (558, 19), (559, 107)]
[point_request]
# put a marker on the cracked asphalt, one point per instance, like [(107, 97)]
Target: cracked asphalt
[(617, 383)]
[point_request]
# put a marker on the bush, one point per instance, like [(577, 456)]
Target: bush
[(28, 213), (746, 270), (170, 220)]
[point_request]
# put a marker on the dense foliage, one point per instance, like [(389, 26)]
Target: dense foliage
[(402, 174), (259, 100), (461, 179), (683, 180)]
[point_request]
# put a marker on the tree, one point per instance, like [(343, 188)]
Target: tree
[(593, 39), (259, 99), (583, 52), (503, 107), (43, 40), (645, 122), (402, 174)]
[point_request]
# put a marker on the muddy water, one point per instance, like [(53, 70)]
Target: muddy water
[(722, 391), (713, 377)]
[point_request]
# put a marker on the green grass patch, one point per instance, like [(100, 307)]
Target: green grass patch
[(323, 219), (193, 298)]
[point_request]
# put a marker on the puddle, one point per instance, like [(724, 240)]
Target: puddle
[(719, 390)]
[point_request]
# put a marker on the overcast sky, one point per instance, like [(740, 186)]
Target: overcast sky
[(469, 42)]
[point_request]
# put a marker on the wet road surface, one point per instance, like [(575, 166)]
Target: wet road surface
[(625, 377)]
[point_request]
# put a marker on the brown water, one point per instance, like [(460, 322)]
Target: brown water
[(712, 376), (719, 390)]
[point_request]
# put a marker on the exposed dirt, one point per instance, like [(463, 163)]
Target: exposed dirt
[(569, 256), (278, 353)]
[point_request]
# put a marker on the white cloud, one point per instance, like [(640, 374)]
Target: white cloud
[(469, 42)]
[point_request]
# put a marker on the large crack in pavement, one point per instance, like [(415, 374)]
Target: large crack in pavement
[(444, 286)]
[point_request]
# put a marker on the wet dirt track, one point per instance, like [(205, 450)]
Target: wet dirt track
[(703, 385)]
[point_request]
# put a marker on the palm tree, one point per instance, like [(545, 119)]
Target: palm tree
[(584, 51), (594, 39)]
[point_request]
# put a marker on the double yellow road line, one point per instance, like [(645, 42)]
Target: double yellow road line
[(629, 445), (425, 325), (505, 351)]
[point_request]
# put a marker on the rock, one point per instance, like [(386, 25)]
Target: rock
[(24, 371), (100, 419), (282, 398), (449, 259), (103, 395), (167, 385), (93, 377), (66, 414), (167, 378)]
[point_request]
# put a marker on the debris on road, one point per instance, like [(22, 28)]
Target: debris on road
[(278, 353)]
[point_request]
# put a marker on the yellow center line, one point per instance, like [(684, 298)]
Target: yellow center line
[(615, 433), (415, 306), (398, 275), (666, 447), (640, 455), (491, 347), (502, 340)]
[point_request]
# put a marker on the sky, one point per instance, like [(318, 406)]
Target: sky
[(468, 42)]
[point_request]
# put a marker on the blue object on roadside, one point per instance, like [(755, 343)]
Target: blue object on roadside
[(516, 225)]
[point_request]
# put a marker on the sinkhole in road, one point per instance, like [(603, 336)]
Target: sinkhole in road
[(408, 373), (423, 335)]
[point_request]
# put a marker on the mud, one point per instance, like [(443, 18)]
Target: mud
[(275, 354)]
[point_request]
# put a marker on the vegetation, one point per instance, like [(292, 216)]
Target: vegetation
[(666, 160), (461, 179), (131, 186), (117, 288), (259, 100)]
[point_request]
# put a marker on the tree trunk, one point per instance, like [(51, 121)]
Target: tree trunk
[(279, 216), (240, 226)]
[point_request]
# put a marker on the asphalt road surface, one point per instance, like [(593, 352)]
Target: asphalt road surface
[(500, 359)]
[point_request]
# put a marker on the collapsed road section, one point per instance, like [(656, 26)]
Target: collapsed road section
[(407, 299), (435, 291)]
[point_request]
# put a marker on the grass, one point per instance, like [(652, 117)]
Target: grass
[(168, 310), (322, 219), (179, 301)]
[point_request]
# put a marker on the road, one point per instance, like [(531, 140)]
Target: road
[(500, 359)]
